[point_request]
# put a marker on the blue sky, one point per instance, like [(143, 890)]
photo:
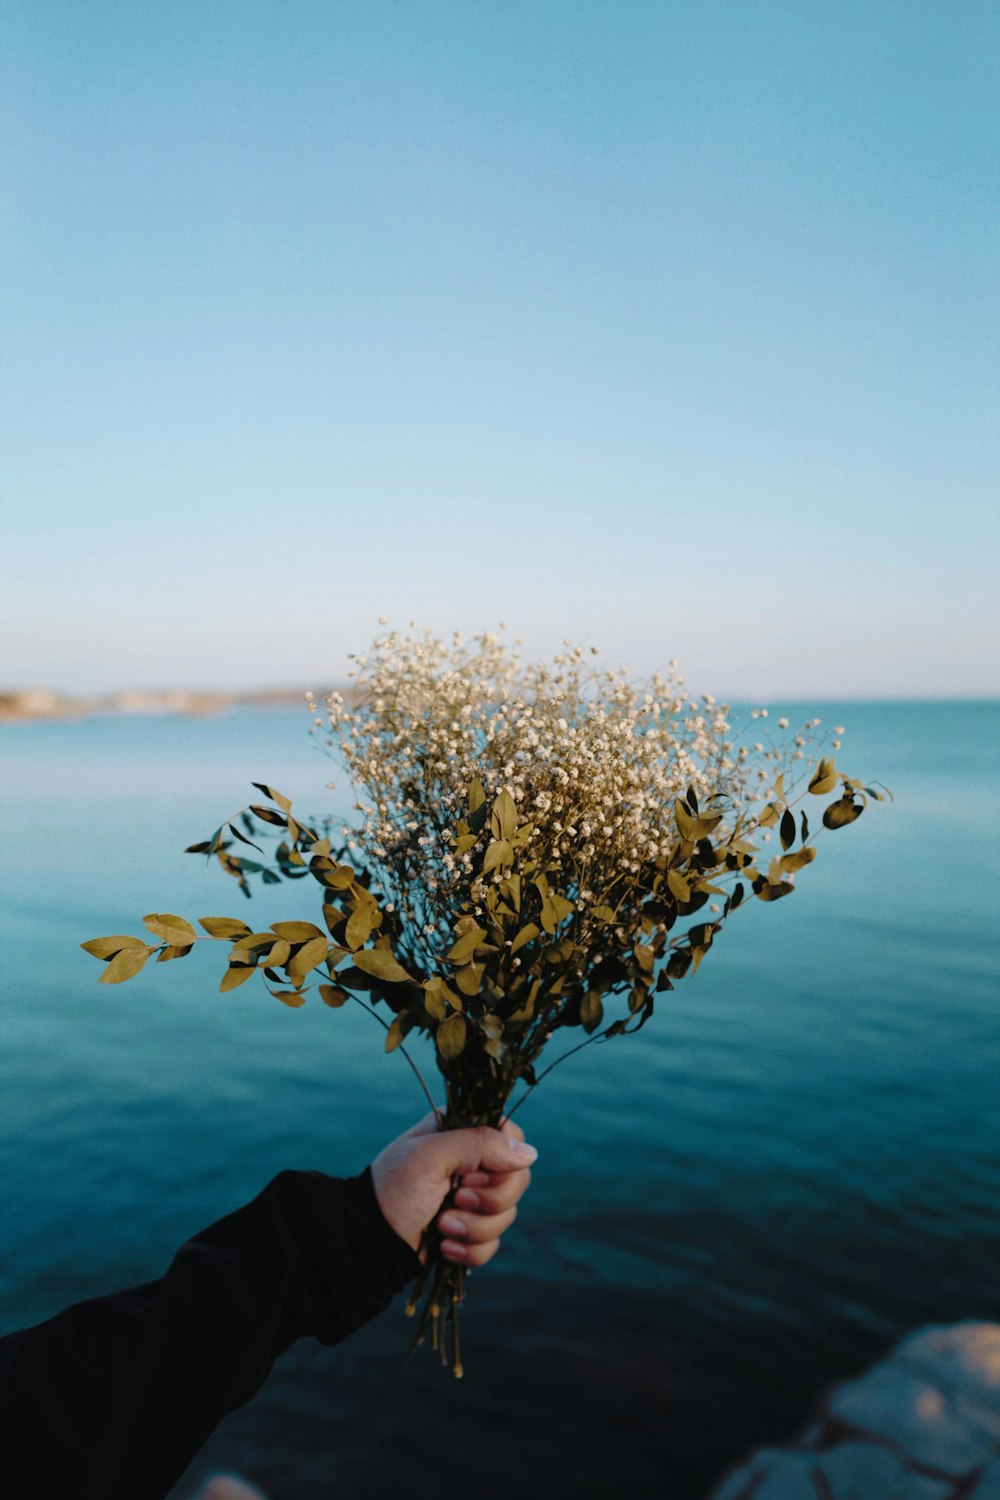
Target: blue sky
[(669, 327)]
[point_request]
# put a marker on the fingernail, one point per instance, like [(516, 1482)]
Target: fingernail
[(452, 1250), (451, 1224), (523, 1151), (467, 1198)]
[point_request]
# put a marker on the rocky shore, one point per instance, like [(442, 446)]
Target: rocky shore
[(922, 1424), (29, 705)]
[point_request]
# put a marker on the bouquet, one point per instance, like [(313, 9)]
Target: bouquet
[(539, 850)]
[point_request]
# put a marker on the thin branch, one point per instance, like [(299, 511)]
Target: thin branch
[(420, 1077), (597, 1037)]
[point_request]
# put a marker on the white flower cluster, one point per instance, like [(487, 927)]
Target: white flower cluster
[(593, 760)]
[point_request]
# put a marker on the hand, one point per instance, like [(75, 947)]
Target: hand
[(413, 1176)]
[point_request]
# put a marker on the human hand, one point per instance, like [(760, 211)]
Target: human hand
[(413, 1176)]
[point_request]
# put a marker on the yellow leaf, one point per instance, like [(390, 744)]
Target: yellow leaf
[(293, 998), (296, 932), (332, 996), (236, 975), (359, 927), (470, 979), (380, 963), (307, 957), (107, 947), (174, 929), (451, 1037), (461, 951), (224, 927), (125, 965), (824, 777), (504, 817), (526, 935), (498, 854)]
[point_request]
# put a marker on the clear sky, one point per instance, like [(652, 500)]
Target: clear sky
[(667, 326)]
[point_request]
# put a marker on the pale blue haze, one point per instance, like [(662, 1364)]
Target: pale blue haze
[(670, 326), (792, 1165)]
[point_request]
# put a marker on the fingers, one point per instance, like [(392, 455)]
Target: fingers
[(500, 1194), (480, 1149), (509, 1128), (469, 1255), (475, 1229)]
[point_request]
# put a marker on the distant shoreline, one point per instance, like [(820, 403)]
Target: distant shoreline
[(34, 705)]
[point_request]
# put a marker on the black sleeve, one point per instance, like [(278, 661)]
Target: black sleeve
[(112, 1399)]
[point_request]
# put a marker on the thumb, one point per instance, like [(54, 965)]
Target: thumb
[(482, 1148)]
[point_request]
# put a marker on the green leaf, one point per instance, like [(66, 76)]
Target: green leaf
[(477, 794), (283, 802), (332, 996), (451, 1037), (280, 953), (787, 830), (307, 957), (107, 947), (824, 778), (503, 820), (604, 913), (172, 951), (125, 965), (845, 810), (526, 935), (678, 886), (236, 975), (591, 1011), (298, 932), (173, 929), (224, 927), (380, 963)]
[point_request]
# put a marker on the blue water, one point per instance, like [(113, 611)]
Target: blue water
[(797, 1161)]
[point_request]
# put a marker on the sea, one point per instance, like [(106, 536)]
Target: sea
[(794, 1164)]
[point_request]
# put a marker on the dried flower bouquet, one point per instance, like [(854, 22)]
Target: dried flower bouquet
[(539, 847)]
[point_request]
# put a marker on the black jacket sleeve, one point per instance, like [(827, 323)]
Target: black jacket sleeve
[(112, 1399)]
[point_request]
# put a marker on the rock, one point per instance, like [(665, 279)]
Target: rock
[(861, 1471), (963, 1356), (988, 1484), (767, 1466), (228, 1487), (911, 1411), (924, 1424)]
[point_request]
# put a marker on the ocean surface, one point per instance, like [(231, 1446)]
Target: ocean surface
[(795, 1163)]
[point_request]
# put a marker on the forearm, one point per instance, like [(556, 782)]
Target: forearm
[(114, 1397)]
